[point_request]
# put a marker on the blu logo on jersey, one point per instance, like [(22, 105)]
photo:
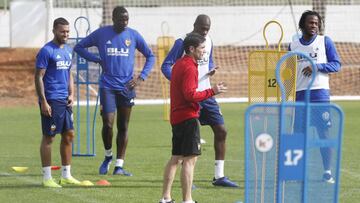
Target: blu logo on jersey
[(113, 51), (205, 59), (63, 65)]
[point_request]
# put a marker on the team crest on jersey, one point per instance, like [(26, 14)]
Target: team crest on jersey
[(53, 127), (127, 42)]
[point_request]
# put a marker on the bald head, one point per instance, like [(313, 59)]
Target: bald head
[(202, 24), (202, 19)]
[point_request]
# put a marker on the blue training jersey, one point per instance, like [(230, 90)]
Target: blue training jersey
[(331, 65), (57, 62), (117, 55)]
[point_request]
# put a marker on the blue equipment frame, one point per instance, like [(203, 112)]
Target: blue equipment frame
[(282, 174), (82, 65)]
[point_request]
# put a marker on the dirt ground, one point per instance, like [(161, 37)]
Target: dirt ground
[(17, 77)]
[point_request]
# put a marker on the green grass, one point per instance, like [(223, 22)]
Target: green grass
[(148, 150)]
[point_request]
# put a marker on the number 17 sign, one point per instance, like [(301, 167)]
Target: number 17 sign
[(291, 157)]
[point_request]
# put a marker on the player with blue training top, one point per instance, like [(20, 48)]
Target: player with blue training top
[(55, 89), (209, 109), (116, 45), (322, 50)]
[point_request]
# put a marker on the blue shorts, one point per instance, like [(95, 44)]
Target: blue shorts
[(320, 117), (110, 100), (210, 113), (61, 119)]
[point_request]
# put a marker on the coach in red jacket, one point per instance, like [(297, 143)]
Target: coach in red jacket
[(184, 116)]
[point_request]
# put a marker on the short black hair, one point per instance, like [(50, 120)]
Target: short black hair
[(192, 39), (60, 21), (119, 10), (200, 19), (306, 14)]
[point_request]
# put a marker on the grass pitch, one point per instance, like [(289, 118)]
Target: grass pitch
[(148, 151)]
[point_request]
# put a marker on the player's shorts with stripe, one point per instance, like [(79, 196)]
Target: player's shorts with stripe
[(319, 117), (210, 113), (110, 99), (186, 138), (61, 119)]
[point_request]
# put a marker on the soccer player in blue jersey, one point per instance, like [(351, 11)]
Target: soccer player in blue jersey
[(55, 89), (116, 45), (322, 50), (209, 109)]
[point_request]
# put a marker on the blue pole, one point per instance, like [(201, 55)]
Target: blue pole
[(87, 114), (94, 120), (77, 108)]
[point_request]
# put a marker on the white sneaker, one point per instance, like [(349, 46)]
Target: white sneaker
[(202, 141), (164, 201), (327, 177)]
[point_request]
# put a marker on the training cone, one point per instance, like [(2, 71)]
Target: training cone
[(103, 183), (55, 167), (20, 169), (86, 183)]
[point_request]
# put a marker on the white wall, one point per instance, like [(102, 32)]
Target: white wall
[(343, 25), (27, 21), (244, 25), (230, 25), (4, 28)]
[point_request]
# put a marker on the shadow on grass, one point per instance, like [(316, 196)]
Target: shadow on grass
[(23, 186), (11, 175), (32, 186)]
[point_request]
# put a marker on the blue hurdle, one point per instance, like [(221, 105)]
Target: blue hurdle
[(282, 145)]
